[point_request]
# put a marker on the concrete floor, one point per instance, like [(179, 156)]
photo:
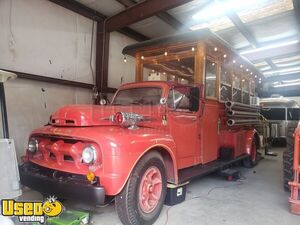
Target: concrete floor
[(257, 199)]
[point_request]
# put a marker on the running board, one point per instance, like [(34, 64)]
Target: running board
[(187, 174)]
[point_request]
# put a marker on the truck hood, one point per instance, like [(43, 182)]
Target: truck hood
[(95, 115)]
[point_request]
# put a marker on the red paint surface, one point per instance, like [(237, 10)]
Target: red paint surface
[(188, 138)]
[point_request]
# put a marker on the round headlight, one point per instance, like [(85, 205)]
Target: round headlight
[(33, 145), (89, 154)]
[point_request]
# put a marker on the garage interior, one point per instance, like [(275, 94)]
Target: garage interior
[(71, 52)]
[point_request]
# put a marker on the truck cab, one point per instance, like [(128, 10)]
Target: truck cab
[(153, 133)]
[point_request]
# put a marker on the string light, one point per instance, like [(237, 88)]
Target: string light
[(142, 57), (225, 56), (125, 59), (166, 53), (247, 70), (193, 49), (251, 73), (234, 61), (215, 49), (241, 66)]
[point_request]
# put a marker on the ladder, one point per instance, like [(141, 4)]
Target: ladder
[(295, 184)]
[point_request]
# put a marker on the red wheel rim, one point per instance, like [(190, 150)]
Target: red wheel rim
[(150, 189), (253, 152)]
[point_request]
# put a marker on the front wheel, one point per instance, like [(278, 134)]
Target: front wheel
[(252, 160), (142, 198)]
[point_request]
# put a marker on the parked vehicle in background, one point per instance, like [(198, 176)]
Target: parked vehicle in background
[(282, 114)]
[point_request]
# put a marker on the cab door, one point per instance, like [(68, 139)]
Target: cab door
[(183, 122)]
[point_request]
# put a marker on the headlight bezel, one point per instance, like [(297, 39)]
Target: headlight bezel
[(33, 145), (92, 151)]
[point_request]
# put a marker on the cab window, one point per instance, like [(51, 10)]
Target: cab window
[(179, 99)]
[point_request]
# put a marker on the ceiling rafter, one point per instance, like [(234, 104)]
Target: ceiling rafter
[(96, 16), (164, 16), (235, 19), (140, 11)]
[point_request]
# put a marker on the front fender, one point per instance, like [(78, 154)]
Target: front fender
[(121, 155)]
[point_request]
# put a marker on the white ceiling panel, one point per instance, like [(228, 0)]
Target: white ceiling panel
[(153, 27), (106, 7)]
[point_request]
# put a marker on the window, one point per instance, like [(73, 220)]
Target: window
[(237, 92), (179, 98), (138, 96), (225, 89), (245, 91), (293, 114), (210, 78), (172, 67), (273, 113)]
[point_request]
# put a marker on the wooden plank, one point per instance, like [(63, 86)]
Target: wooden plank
[(200, 63)]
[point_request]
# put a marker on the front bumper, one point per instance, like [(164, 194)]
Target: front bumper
[(66, 186)]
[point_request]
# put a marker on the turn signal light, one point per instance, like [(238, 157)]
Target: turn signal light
[(129, 120), (90, 176), (118, 118)]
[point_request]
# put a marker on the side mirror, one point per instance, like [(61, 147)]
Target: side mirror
[(194, 99)]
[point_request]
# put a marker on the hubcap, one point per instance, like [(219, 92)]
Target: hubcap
[(150, 189)]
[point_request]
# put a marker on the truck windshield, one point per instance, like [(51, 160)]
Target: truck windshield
[(138, 96)]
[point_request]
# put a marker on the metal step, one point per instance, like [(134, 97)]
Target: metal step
[(187, 174)]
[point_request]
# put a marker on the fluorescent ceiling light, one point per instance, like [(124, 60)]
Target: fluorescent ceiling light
[(286, 85), (295, 63), (291, 81), (268, 47), (293, 69), (265, 68), (220, 7)]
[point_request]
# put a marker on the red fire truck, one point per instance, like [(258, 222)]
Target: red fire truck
[(153, 133)]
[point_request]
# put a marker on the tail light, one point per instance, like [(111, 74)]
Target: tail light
[(129, 120)]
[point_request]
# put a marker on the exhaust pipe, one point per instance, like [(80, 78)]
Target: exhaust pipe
[(240, 106), (234, 113), (232, 122)]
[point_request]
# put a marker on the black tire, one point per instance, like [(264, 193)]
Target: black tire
[(127, 202), (251, 161), (288, 173)]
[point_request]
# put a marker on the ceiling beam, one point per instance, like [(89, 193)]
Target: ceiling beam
[(92, 14), (133, 34), (235, 19), (80, 9), (140, 11), (164, 16)]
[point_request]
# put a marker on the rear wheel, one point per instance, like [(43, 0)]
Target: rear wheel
[(142, 198), (252, 160)]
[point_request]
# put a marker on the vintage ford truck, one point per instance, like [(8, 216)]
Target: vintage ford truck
[(153, 132)]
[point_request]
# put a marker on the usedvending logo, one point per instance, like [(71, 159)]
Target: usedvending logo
[(31, 211)]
